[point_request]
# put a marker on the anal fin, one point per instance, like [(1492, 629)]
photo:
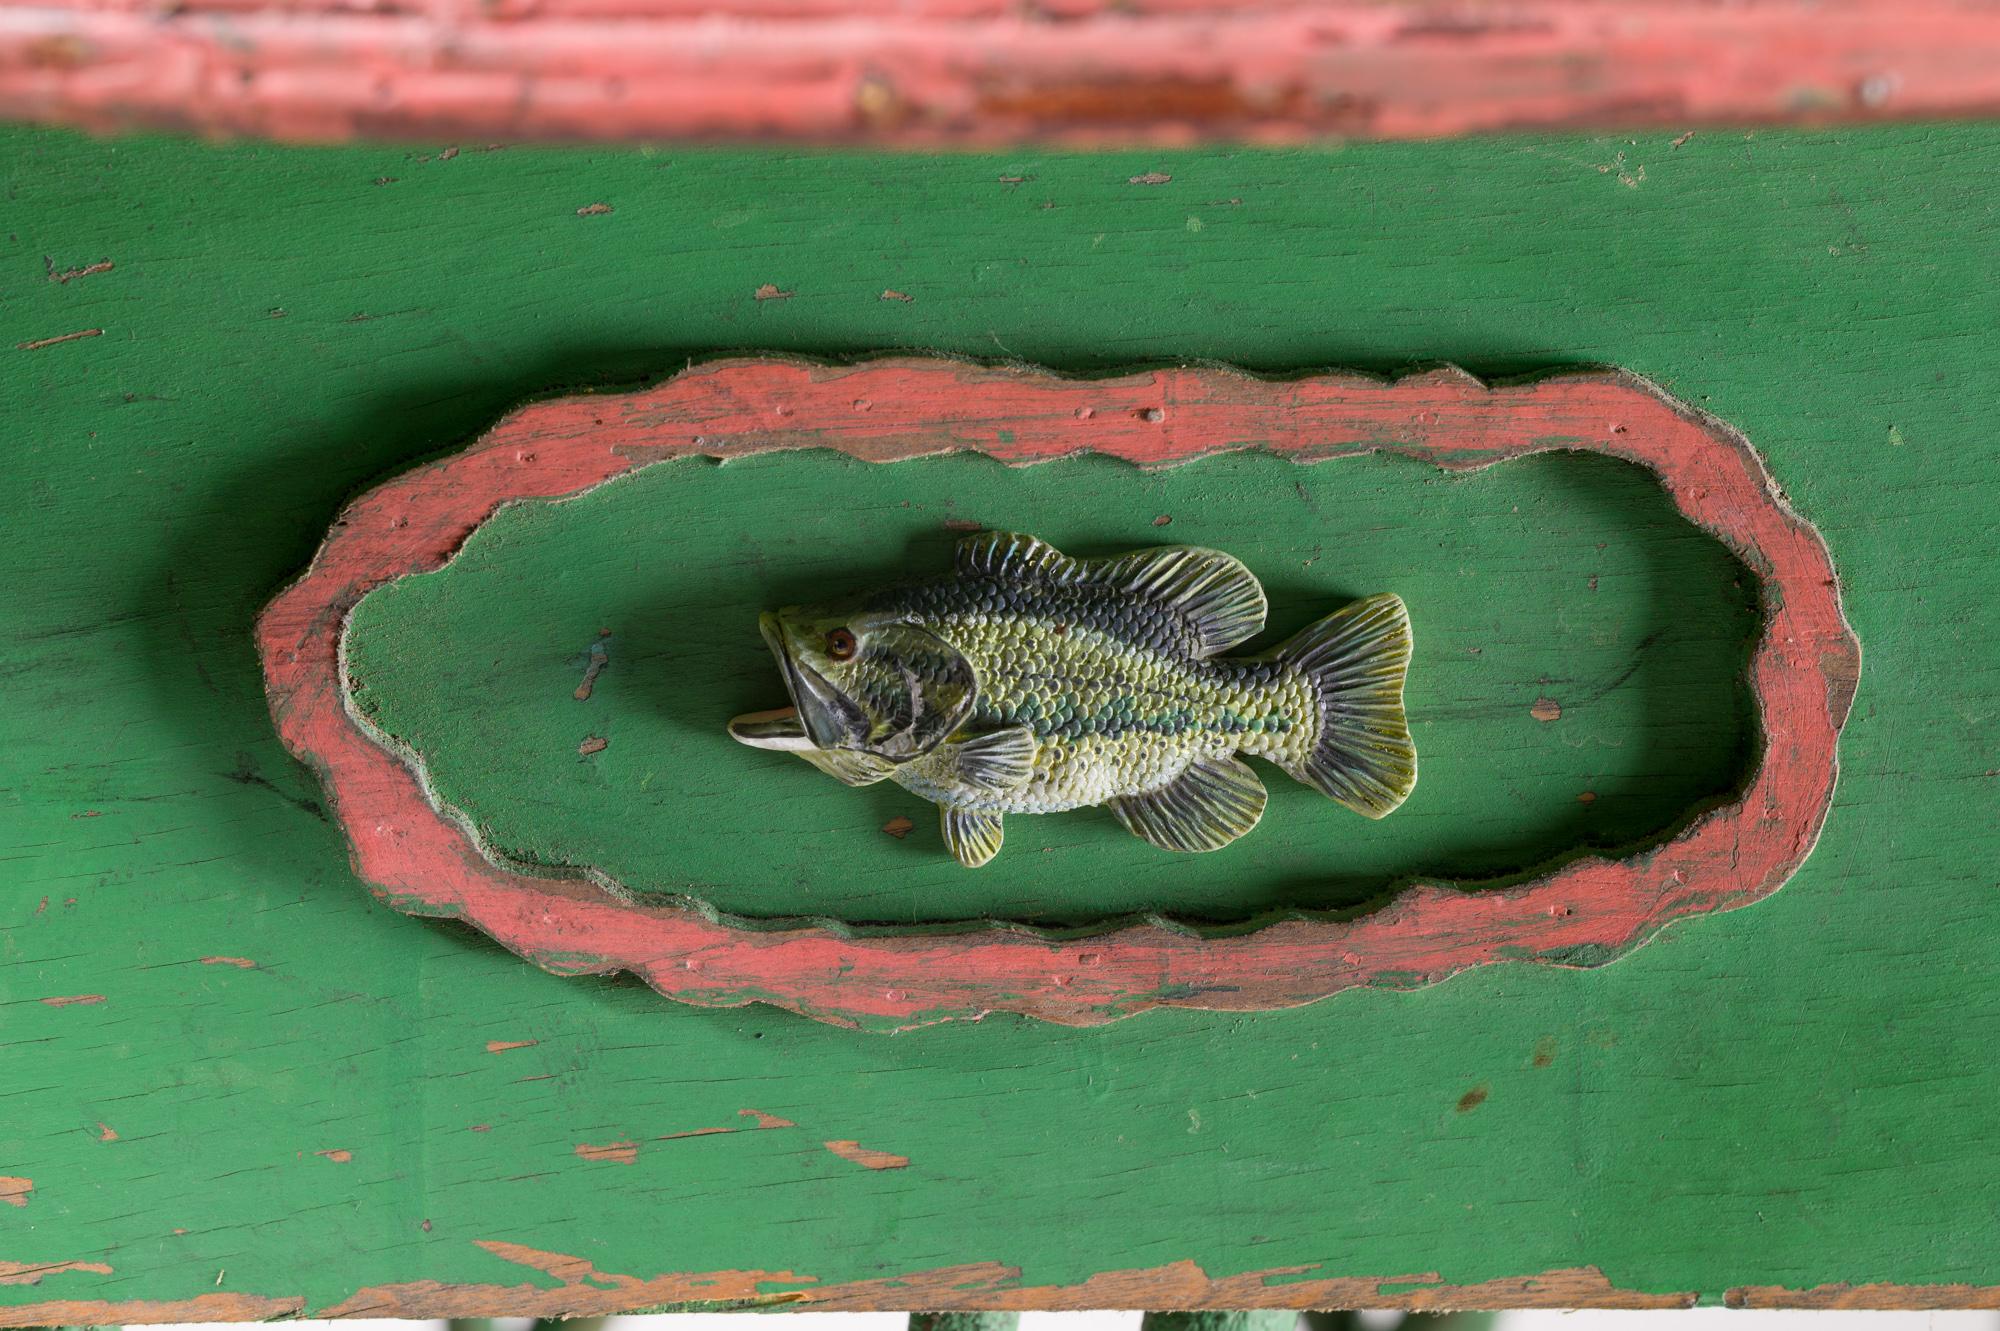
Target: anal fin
[(974, 836), (1206, 807)]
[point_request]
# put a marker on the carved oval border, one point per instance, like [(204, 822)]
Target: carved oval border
[(421, 861)]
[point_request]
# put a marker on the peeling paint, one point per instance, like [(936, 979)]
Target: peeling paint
[(32, 1273), (39, 343), (584, 1290), (68, 275), (867, 1157), (617, 1153)]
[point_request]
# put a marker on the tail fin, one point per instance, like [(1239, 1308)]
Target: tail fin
[(1355, 660)]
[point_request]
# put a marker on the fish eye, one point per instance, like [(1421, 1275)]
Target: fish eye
[(840, 644)]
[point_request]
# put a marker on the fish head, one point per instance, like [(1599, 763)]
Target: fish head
[(870, 682)]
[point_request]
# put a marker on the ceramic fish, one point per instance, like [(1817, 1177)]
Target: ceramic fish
[(1030, 682)]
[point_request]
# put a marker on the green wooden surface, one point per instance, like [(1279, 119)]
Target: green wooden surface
[(1796, 1093), (1563, 577)]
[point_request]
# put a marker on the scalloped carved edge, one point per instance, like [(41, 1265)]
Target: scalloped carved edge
[(422, 861)]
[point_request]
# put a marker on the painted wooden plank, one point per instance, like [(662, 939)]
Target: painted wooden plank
[(1793, 1103), (949, 71)]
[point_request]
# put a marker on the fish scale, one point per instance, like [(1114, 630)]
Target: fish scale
[(1068, 690)]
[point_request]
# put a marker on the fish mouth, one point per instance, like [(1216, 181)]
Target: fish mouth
[(779, 728), (811, 722)]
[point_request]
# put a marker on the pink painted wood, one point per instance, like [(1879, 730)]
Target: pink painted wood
[(917, 72), (422, 861)]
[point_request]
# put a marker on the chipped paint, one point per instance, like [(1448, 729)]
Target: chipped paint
[(1845, 1296), (33, 1273), (241, 963), (502, 1046), (139, 1312), (68, 275), (74, 1000), (582, 1289), (39, 343), (15, 1190), (617, 1153), (765, 1120), (867, 1157), (599, 658)]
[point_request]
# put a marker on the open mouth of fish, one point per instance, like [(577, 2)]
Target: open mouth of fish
[(806, 724)]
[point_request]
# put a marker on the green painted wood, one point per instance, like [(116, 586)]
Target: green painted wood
[(1789, 1095), (1565, 578)]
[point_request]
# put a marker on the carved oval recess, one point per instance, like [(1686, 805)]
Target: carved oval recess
[(422, 859)]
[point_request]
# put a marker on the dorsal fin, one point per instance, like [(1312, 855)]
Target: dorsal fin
[(1018, 558), (1220, 597)]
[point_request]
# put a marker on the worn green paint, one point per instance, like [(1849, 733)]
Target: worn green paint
[(1563, 577), (1795, 1093)]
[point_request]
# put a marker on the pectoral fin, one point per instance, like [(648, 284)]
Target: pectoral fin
[(848, 765), (994, 762), (974, 837), (1204, 808)]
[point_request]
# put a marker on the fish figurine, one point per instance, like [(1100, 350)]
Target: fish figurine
[(1026, 681)]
